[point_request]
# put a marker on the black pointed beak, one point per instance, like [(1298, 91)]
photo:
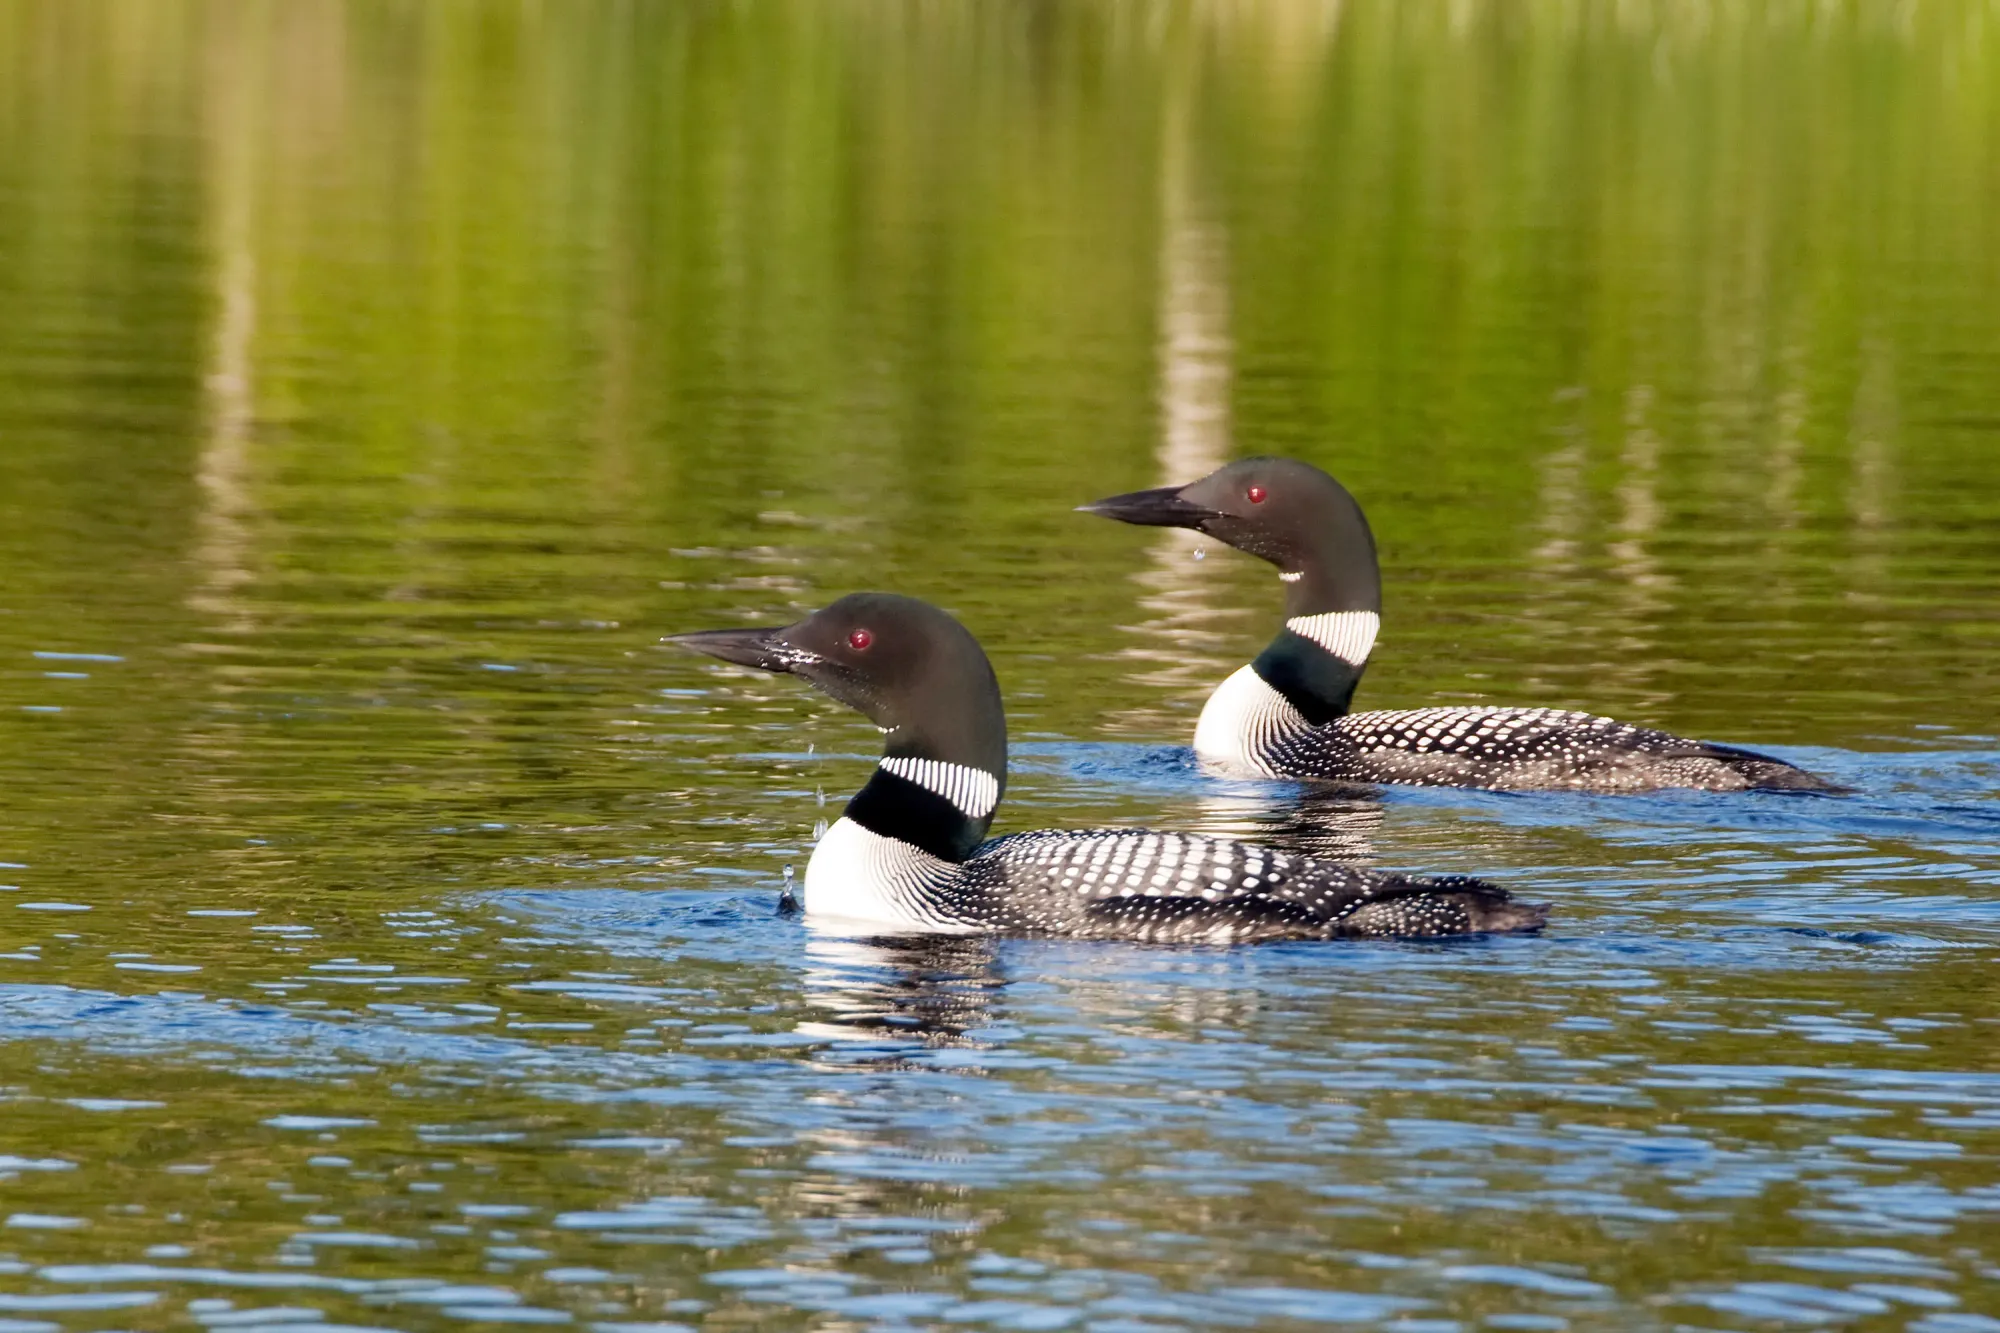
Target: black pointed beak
[(764, 649), (1161, 508)]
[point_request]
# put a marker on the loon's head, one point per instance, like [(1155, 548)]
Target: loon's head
[(920, 677), (1281, 510), (1304, 522)]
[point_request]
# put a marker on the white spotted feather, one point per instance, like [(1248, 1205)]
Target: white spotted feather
[(1517, 749)]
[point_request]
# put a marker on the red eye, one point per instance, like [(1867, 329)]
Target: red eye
[(859, 640), (1256, 495)]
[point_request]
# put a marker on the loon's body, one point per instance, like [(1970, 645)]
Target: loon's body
[(1143, 885), (910, 853), (1287, 714)]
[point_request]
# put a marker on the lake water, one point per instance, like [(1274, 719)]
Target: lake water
[(387, 931)]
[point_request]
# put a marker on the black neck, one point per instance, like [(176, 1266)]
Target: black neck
[(1317, 683), (895, 807)]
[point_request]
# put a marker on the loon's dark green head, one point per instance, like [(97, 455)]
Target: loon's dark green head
[(1304, 522), (1278, 509), (922, 678)]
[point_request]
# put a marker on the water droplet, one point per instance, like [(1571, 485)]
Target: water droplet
[(1201, 553), (819, 830), (820, 792), (809, 748)]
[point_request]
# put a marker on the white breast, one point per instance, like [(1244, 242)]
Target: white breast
[(860, 877), (1241, 720)]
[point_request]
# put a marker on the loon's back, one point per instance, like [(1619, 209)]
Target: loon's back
[(1186, 888), (1521, 749)]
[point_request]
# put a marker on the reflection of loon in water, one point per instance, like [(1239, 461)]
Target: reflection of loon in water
[(933, 989), (1328, 823)]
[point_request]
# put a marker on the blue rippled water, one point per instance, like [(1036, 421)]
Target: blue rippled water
[(680, 1105)]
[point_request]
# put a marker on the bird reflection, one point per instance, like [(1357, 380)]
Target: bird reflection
[(1336, 823), (1332, 822), (881, 996)]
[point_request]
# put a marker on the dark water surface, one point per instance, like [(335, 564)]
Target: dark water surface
[(386, 929)]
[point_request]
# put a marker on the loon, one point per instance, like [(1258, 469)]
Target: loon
[(1286, 714), (910, 853)]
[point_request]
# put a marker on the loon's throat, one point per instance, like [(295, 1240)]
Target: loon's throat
[(942, 808), (1316, 661)]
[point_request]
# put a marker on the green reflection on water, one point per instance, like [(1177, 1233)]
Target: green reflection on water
[(379, 380)]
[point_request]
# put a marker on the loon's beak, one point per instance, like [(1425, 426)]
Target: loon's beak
[(764, 649), (1161, 508)]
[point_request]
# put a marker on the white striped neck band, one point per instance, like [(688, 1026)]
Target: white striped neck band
[(1348, 635), (974, 791)]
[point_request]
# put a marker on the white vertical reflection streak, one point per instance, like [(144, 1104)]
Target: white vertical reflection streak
[(1647, 587), (228, 387), (1180, 651), (1871, 488)]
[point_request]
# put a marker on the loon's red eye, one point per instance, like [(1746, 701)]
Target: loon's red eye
[(1256, 495), (859, 640)]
